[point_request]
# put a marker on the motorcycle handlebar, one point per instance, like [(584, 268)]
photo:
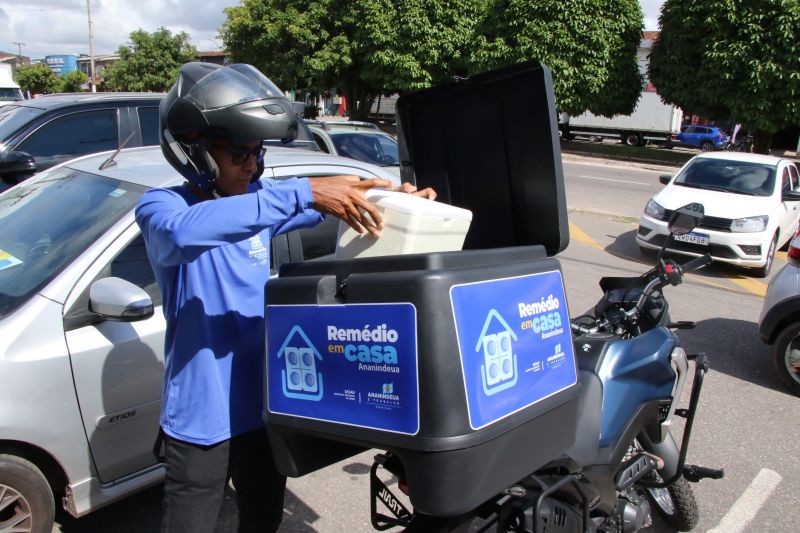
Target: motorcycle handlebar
[(696, 263)]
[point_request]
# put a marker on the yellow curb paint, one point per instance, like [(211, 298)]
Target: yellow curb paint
[(781, 255), (752, 286), (579, 235)]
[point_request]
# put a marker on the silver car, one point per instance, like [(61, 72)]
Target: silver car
[(359, 140), (779, 323), (82, 331)]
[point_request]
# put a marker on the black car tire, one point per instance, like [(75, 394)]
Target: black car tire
[(707, 146), (32, 508), (788, 337), (762, 272), (632, 139)]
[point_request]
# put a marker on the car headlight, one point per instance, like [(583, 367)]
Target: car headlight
[(749, 224), (652, 209)]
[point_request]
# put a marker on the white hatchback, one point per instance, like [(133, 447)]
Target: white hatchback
[(751, 209)]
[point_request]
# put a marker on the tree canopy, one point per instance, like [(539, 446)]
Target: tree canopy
[(38, 79), (150, 62), (369, 47), (736, 59), (590, 47), (72, 81)]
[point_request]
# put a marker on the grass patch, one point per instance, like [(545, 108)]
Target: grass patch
[(640, 154)]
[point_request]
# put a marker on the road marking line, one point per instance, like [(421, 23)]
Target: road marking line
[(618, 181), (579, 235), (750, 285), (748, 504)]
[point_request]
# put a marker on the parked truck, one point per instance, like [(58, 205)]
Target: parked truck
[(651, 121), (9, 89)]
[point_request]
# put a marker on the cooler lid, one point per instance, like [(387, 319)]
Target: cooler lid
[(490, 144)]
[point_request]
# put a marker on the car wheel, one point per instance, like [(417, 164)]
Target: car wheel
[(26, 501), (764, 270), (786, 356), (706, 146), (632, 139)]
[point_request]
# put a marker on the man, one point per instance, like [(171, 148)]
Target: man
[(208, 242)]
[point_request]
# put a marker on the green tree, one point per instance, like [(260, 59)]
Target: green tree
[(150, 62), (371, 47), (72, 81), (38, 79), (590, 47), (362, 47), (735, 59)]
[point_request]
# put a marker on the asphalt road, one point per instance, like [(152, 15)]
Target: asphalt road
[(747, 422)]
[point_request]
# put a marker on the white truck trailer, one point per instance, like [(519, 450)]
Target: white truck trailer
[(9, 90), (651, 121)]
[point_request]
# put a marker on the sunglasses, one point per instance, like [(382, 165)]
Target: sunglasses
[(239, 155)]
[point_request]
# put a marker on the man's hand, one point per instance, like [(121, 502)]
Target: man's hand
[(343, 197), (406, 187)]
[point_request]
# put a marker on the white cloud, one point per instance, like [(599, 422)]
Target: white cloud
[(61, 26)]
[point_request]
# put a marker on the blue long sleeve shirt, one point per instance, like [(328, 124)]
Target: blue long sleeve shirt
[(211, 261)]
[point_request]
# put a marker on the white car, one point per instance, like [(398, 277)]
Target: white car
[(751, 209), (82, 330)]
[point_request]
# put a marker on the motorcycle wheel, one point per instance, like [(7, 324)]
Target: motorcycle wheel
[(676, 504)]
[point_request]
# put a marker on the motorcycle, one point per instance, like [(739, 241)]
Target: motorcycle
[(624, 460)]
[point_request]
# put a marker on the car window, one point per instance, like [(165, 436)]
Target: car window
[(48, 223), (739, 177), (148, 124), (73, 135), (321, 142), (365, 147), (786, 180), (795, 177), (15, 117)]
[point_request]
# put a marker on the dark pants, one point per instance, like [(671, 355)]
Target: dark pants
[(197, 476)]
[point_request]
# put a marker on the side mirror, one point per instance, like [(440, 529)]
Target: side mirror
[(790, 196), (299, 108), (17, 165), (686, 218), (119, 300), (664, 179)]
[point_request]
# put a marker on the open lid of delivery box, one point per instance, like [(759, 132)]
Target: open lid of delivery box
[(489, 144)]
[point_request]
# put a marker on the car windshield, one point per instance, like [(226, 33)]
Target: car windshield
[(49, 222), (10, 94), (13, 117), (739, 177), (376, 149)]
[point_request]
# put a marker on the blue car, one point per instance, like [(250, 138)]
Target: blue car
[(707, 138)]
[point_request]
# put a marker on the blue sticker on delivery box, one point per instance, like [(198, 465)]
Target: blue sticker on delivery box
[(515, 343), (347, 364)]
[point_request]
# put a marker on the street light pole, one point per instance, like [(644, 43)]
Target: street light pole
[(91, 51)]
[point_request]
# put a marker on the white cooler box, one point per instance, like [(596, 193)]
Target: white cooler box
[(411, 225)]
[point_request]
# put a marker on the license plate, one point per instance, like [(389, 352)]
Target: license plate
[(693, 238)]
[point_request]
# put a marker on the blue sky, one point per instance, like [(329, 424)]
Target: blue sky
[(61, 26)]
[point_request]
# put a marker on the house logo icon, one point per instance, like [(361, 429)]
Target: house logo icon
[(499, 368), (300, 379)]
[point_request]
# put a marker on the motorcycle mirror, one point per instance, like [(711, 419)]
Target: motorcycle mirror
[(686, 218)]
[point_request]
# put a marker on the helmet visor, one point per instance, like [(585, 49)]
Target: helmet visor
[(230, 86)]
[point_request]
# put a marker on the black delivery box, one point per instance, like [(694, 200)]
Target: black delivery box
[(460, 363)]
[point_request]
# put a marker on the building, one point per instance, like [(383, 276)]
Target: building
[(14, 60), (101, 62)]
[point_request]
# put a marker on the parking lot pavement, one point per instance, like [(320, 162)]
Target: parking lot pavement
[(617, 237)]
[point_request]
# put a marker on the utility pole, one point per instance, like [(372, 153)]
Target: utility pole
[(19, 55), (91, 51)]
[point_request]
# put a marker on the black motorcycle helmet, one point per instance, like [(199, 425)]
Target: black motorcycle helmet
[(209, 101)]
